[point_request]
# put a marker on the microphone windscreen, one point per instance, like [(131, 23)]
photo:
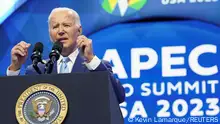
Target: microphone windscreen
[(58, 46), (38, 47)]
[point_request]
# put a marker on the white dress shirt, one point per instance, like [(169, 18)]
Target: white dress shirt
[(91, 65)]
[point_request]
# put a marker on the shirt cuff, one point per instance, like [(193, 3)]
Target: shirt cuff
[(12, 73), (92, 65)]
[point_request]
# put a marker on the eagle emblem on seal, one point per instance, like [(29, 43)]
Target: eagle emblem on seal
[(42, 108)]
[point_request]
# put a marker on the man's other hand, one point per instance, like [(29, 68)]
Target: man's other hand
[(19, 54)]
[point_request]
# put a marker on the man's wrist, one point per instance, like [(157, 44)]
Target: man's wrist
[(89, 59), (93, 64), (14, 67)]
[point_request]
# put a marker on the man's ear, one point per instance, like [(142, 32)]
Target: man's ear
[(80, 30)]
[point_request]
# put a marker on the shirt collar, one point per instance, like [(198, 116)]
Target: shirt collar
[(72, 56)]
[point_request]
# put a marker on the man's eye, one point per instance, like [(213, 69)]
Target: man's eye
[(66, 25), (55, 27)]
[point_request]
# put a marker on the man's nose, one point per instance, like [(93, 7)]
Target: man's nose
[(61, 31)]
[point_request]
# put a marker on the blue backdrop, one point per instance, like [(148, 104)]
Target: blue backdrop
[(165, 52)]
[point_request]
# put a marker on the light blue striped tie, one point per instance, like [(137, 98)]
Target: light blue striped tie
[(64, 68)]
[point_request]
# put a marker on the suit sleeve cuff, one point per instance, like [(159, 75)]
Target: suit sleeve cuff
[(12, 73), (93, 64)]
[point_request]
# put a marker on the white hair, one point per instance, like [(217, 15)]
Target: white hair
[(76, 15)]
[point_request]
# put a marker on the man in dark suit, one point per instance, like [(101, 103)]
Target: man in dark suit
[(65, 27)]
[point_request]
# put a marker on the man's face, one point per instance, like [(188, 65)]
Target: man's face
[(62, 27)]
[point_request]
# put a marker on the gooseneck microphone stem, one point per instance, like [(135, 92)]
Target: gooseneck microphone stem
[(48, 67), (37, 69)]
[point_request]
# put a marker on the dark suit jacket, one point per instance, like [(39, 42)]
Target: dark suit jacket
[(79, 67)]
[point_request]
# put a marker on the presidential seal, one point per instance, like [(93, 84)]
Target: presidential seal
[(41, 104)]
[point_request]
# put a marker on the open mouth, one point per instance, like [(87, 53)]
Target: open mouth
[(62, 39)]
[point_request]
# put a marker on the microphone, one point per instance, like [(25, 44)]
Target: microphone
[(56, 51), (54, 56), (82, 49), (37, 56)]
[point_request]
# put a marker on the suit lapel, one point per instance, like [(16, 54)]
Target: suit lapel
[(55, 68), (78, 65)]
